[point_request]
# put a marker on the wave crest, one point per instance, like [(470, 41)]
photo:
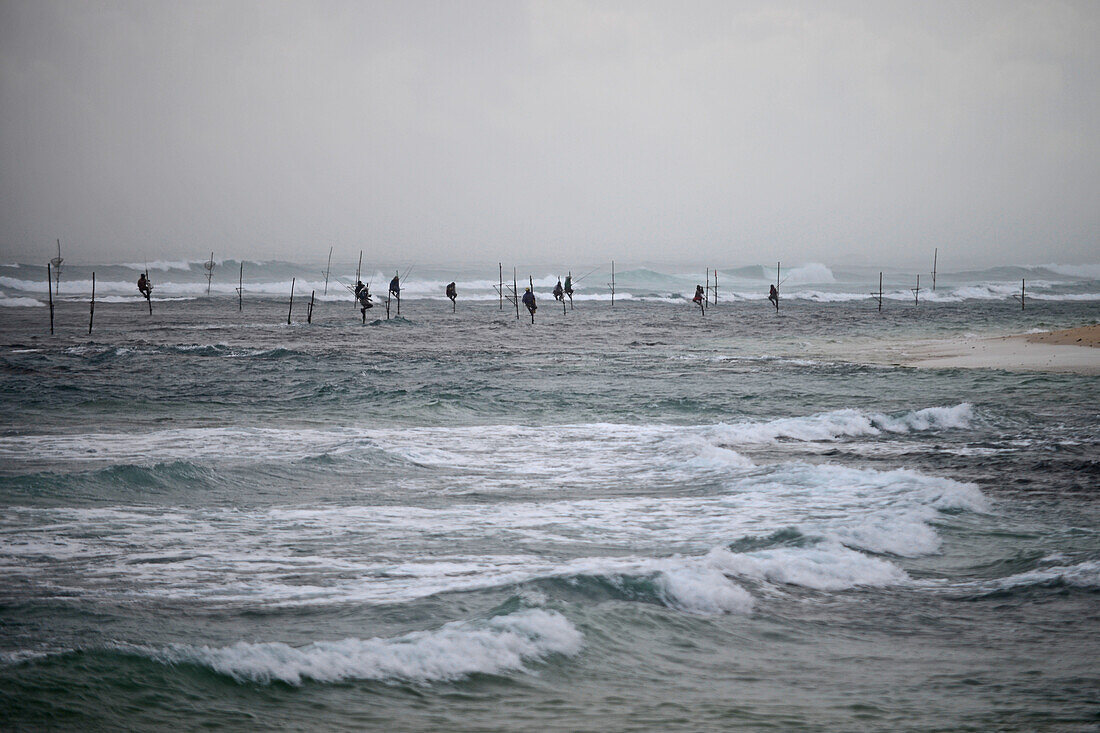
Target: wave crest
[(454, 651)]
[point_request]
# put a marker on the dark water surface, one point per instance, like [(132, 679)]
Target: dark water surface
[(628, 518)]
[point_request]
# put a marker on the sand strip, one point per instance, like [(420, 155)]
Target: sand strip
[(1073, 350)]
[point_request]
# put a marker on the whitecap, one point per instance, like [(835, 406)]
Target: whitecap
[(454, 651)]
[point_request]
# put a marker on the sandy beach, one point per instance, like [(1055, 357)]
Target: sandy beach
[(1069, 350)]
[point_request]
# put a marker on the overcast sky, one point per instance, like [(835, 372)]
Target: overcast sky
[(725, 132)]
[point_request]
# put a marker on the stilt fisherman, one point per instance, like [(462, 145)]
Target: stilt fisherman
[(145, 286), (529, 302), (362, 294)]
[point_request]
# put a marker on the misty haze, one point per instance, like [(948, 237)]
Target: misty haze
[(549, 366)]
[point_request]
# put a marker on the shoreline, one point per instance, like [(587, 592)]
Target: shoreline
[(1071, 350)]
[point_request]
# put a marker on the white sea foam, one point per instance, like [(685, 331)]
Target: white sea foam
[(819, 296), (455, 650), (19, 656), (703, 590), (836, 424), (905, 533), (825, 567), (236, 556), (286, 555), (19, 302), (1082, 575), (813, 272), (165, 265), (567, 448), (1064, 296)]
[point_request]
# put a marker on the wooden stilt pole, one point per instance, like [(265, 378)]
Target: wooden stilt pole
[(91, 307), (531, 284), (398, 296), (612, 283), (916, 292), (1020, 297), (500, 266), (328, 269), (309, 311), (935, 256), (149, 293), (777, 284), (716, 286), (515, 292), (49, 287), (359, 279), (879, 293), (209, 272), (292, 280), (240, 290)]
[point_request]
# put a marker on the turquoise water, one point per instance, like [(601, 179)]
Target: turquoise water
[(627, 518)]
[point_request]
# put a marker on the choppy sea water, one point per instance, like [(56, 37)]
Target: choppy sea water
[(620, 518)]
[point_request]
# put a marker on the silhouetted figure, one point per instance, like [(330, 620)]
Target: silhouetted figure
[(144, 286), (773, 296), (362, 294), (529, 302), (452, 293), (395, 291)]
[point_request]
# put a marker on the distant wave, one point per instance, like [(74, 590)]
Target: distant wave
[(19, 302), (811, 282), (814, 272), (1089, 272), (164, 264)]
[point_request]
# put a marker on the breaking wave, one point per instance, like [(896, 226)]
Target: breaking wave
[(454, 651), (438, 446)]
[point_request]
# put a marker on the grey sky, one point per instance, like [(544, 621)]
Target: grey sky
[(730, 132)]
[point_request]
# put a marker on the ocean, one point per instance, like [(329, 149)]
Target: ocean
[(628, 516)]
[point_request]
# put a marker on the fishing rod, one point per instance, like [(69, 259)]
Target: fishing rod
[(578, 280)]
